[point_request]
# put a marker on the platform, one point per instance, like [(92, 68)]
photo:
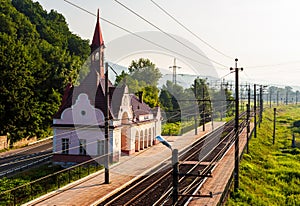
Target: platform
[(221, 175), (91, 189)]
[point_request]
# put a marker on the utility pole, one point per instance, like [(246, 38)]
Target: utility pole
[(248, 118), (270, 98), (286, 97), (241, 97), (248, 126), (255, 121), (277, 98), (258, 106), (196, 106), (249, 95), (203, 108), (261, 106), (174, 71), (221, 90), (236, 154), (258, 99), (274, 126), (106, 125), (297, 97)]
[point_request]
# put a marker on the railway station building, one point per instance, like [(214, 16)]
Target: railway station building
[(79, 124)]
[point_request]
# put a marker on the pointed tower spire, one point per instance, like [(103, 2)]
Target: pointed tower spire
[(97, 49), (97, 39)]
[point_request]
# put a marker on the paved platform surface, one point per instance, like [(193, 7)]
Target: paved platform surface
[(91, 189), (221, 175)]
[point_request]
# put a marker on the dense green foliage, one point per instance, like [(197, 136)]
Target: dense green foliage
[(201, 92), (143, 76), (38, 54), (169, 98), (283, 95), (182, 105), (177, 128), (270, 174)]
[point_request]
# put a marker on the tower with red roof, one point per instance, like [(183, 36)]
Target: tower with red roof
[(78, 125)]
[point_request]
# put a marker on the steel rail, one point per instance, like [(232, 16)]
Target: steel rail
[(207, 169)]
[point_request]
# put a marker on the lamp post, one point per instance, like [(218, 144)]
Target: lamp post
[(196, 107), (175, 164), (255, 121)]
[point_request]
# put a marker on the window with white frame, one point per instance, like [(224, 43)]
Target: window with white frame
[(65, 146), (82, 146), (100, 147)]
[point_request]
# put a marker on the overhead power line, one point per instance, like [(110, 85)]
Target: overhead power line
[(167, 34), (187, 29), (274, 65), (136, 35)]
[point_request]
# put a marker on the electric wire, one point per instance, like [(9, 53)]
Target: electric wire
[(85, 127), (187, 29), (45, 155), (274, 65), (161, 30), (53, 174), (83, 130), (139, 36)]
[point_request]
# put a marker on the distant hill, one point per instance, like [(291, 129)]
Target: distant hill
[(38, 54)]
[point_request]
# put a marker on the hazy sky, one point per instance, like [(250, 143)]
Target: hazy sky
[(257, 32)]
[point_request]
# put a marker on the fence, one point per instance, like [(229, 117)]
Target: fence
[(39, 187)]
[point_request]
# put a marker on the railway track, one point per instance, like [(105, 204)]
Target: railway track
[(195, 165), (25, 158)]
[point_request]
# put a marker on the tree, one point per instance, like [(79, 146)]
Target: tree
[(201, 92), (142, 76), (145, 70), (38, 54), (169, 98)]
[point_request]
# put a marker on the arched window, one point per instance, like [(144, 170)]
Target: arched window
[(97, 56)]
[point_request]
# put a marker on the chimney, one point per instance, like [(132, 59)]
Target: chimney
[(141, 96)]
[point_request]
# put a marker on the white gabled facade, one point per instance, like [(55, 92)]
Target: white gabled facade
[(79, 124)]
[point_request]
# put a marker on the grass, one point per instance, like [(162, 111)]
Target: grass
[(270, 174), (171, 128), (27, 176), (176, 127)]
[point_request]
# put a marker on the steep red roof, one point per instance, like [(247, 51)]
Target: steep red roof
[(97, 39), (94, 86)]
